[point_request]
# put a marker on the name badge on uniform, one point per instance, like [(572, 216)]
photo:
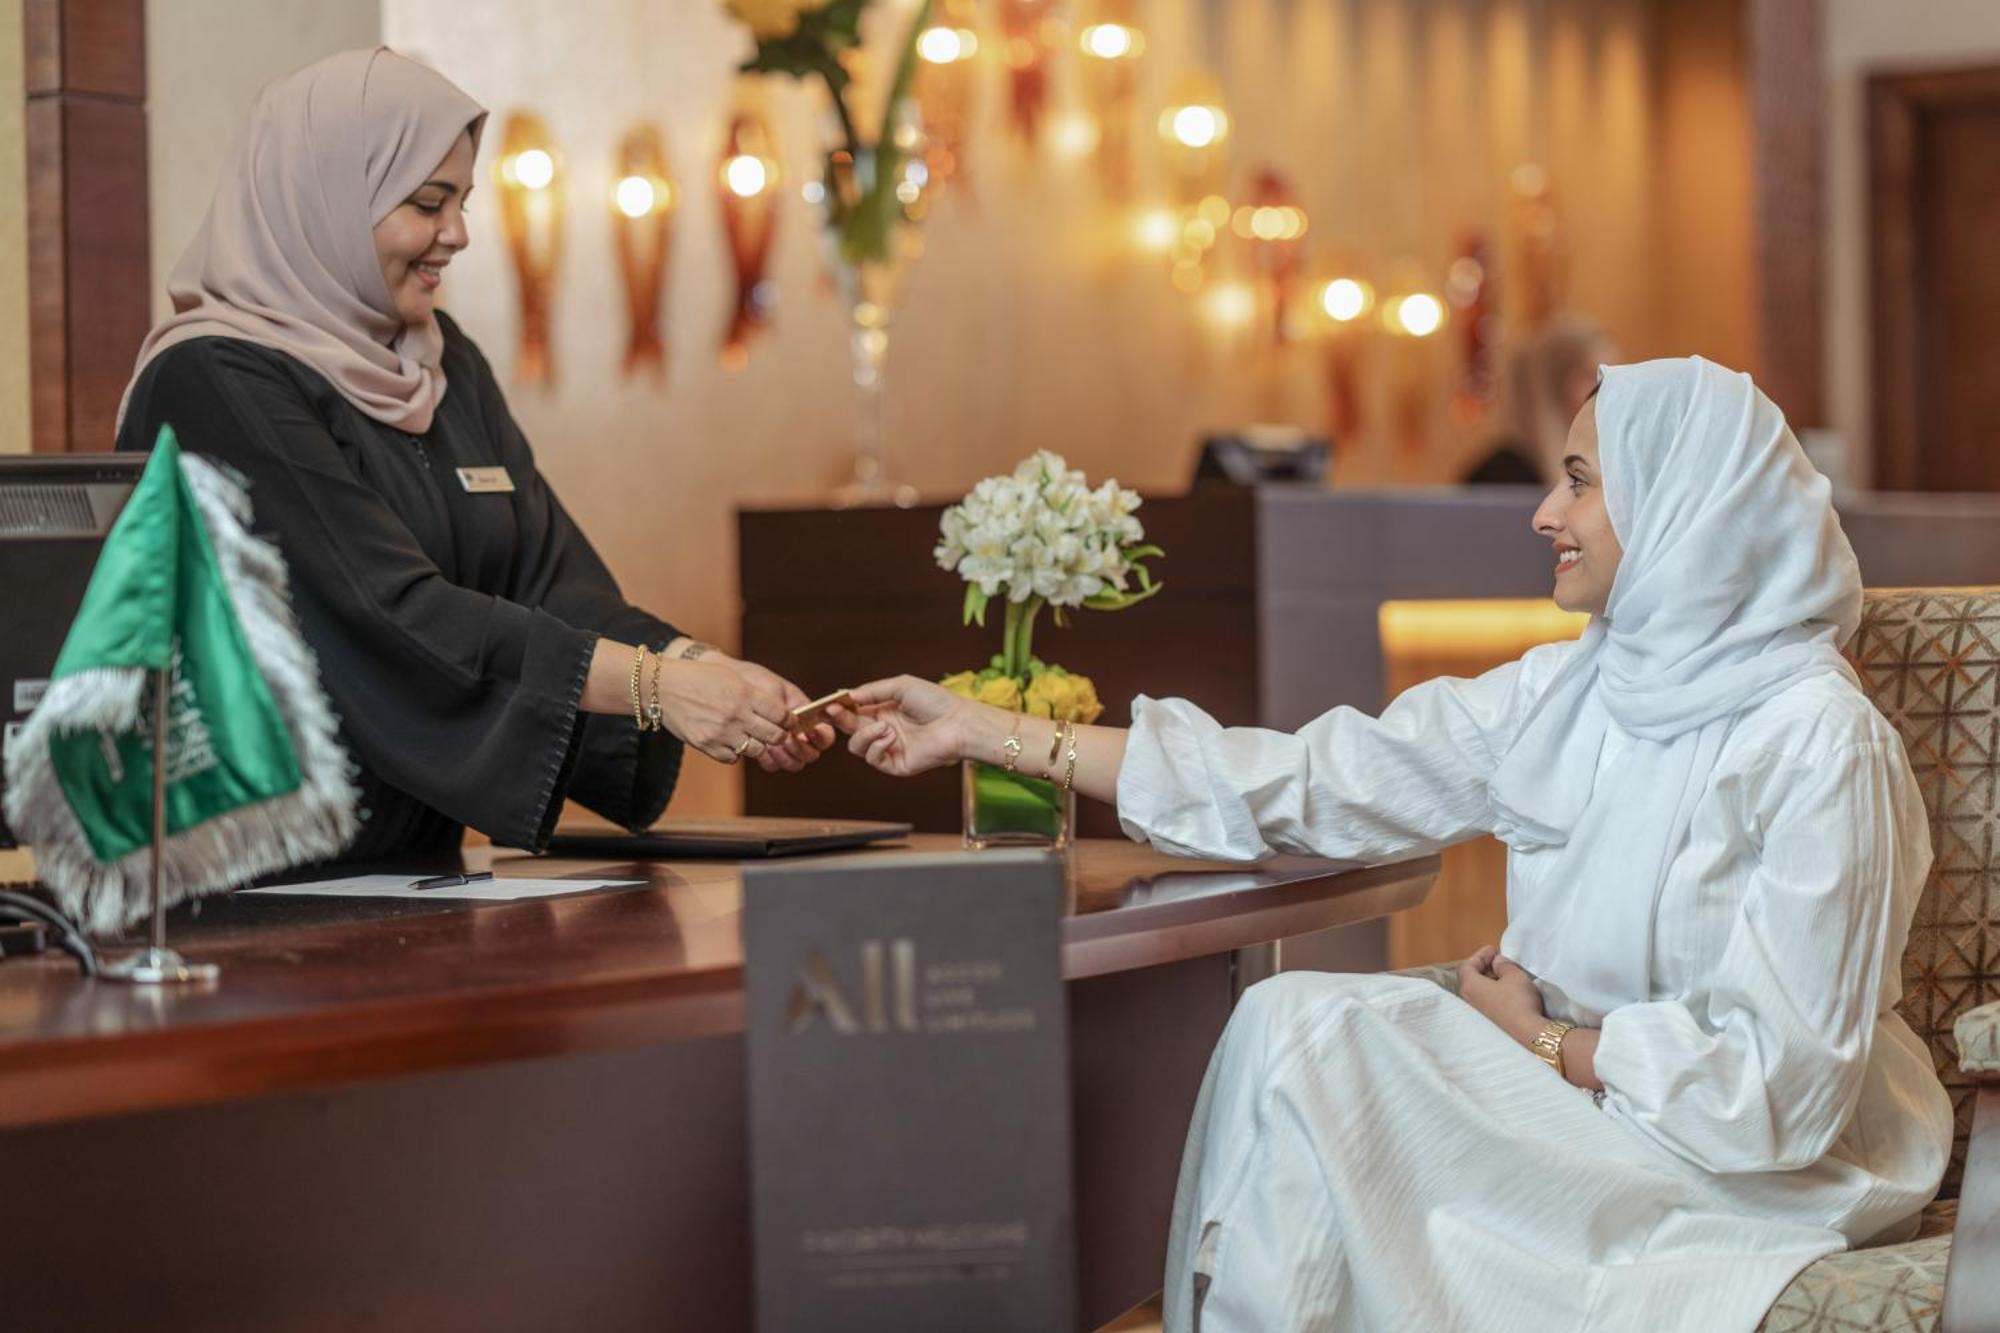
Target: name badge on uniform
[(485, 480)]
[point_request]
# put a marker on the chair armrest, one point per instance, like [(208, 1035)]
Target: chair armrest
[(1978, 1035), (1971, 1296)]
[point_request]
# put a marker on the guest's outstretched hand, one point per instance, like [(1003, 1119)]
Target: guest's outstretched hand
[(905, 726)]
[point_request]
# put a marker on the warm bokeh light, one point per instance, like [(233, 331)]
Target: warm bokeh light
[(1156, 230), (1418, 315), (1345, 299), (746, 176), (635, 196), (1194, 126), (1111, 41), (533, 169), (1073, 135), (942, 46), (1232, 305)]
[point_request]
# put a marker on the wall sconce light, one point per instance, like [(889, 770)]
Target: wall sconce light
[(529, 175), (1413, 315), (1468, 288), (642, 204), (948, 86), (1535, 234), (1029, 32), (747, 181), (1275, 225), (1339, 305), (1112, 48), (1194, 136)]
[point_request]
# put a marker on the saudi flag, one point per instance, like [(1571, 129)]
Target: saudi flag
[(256, 780)]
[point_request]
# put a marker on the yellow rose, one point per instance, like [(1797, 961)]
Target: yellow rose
[(963, 685), (1064, 698), (1001, 692), (771, 19)]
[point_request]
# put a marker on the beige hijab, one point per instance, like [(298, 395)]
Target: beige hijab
[(286, 256)]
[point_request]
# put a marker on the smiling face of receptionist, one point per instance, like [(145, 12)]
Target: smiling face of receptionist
[(1575, 520), (421, 234)]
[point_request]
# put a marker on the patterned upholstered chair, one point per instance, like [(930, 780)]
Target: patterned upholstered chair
[(1930, 659)]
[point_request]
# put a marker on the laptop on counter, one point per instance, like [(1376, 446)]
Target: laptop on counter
[(751, 838)]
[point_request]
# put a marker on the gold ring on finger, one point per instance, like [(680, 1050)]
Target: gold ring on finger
[(747, 742)]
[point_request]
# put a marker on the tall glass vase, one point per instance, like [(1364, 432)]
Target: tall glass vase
[(872, 203)]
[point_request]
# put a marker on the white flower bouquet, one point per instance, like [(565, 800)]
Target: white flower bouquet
[(1040, 537)]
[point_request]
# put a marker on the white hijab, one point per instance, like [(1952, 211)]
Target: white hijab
[(1736, 582)]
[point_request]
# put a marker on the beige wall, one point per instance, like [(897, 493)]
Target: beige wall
[(205, 62), (13, 237), (1864, 37), (1707, 258)]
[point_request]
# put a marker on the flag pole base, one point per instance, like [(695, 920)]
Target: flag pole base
[(158, 967)]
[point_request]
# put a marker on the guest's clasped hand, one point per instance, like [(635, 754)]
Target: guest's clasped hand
[(717, 703), (1502, 989)]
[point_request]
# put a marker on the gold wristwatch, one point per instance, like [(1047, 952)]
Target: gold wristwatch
[(1548, 1044)]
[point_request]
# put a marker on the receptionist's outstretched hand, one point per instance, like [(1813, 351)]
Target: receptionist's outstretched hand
[(905, 726)]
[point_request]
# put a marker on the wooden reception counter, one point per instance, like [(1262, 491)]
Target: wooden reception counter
[(530, 1115)]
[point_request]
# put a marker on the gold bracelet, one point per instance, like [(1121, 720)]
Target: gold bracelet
[(1055, 749), (1069, 773), (1012, 745), (656, 716), (638, 665), (1548, 1045)]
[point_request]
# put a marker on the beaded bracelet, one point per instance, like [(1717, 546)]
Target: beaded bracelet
[(1069, 772)]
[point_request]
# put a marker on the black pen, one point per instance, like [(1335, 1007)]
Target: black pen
[(448, 881)]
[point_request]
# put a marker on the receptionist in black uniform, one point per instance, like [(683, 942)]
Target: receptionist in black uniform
[(482, 661)]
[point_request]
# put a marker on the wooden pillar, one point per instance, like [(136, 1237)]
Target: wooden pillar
[(1787, 64), (89, 284)]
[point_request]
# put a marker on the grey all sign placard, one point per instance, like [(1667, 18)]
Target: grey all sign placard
[(909, 1094)]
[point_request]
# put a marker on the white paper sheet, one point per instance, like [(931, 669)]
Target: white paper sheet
[(480, 890)]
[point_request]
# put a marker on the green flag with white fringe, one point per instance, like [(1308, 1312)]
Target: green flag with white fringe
[(256, 780)]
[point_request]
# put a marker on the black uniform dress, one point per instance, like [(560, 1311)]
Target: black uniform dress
[(454, 629)]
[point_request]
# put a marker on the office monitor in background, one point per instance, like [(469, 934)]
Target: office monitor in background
[(1261, 455), (54, 512)]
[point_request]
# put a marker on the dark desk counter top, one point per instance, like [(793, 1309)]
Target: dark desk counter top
[(316, 992)]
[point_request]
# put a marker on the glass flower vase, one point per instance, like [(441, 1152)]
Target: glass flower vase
[(871, 204), (1003, 809)]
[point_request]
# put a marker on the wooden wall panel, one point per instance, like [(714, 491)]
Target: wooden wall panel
[(89, 275), (1787, 70)]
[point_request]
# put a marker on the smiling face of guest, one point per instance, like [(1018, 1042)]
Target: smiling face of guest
[(421, 234), (1577, 523)]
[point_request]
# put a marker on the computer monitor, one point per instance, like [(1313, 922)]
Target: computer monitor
[(54, 512), (1262, 455)]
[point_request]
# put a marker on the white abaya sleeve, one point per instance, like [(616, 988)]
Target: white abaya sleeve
[(1761, 1071), (1346, 785)]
